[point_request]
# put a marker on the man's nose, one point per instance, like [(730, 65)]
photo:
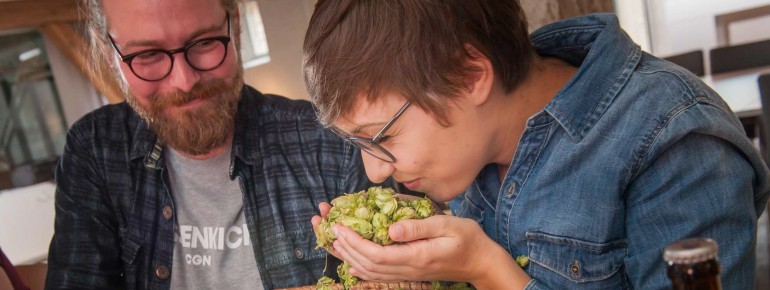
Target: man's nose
[(183, 77), (377, 170)]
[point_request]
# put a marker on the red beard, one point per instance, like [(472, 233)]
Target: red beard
[(198, 130)]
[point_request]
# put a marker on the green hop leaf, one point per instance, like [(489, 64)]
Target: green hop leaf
[(362, 227), (346, 202), (334, 214), (380, 220), (325, 283), (382, 237), (343, 270), (423, 206), (364, 213), (388, 207), (522, 260), (404, 213), (324, 235)]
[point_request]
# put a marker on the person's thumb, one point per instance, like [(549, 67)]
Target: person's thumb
[(412, 230)]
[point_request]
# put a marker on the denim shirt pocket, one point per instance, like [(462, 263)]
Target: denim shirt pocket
[(305, 246), (562, 262), (297, 247)]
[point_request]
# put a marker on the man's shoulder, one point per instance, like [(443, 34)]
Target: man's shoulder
[(107, 121)]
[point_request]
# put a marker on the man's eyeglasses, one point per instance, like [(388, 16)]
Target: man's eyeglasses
[(204, 54), (372, 146)]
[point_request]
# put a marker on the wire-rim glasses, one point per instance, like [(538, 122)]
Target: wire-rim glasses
[(204, 54), (372, 145)]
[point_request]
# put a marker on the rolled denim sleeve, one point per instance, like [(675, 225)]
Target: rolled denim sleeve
[(84, 252), (696, 184)]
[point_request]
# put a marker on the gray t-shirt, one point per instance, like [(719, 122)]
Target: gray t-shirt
[(212, 249)]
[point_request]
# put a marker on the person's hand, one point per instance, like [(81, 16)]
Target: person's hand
[(440, 247)]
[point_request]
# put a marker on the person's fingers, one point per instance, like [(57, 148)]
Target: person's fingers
[(324, 208), (369, 260), (412, 230), (315, 221)]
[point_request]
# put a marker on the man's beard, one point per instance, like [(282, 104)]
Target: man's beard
[(199, 130)]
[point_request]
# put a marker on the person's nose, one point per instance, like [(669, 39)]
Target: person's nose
[(183, 76), (377, 170)]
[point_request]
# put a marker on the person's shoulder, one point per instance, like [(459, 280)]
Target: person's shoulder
[(105, 121), (662, 76)]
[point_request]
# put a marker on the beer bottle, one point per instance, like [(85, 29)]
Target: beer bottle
[(692, 264)]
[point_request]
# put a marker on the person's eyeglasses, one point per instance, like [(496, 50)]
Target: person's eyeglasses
[(204, 54), (372, 146)]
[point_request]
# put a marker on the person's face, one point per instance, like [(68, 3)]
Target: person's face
[(439, 161), (190, 110)]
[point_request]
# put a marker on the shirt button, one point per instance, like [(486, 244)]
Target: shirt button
[(575, 269), (162, 272), (511, 190), (298, 253), (167, 212)]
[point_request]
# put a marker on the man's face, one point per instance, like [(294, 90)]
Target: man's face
[(190, 110)]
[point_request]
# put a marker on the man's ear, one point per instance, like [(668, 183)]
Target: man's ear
[(481, 76)]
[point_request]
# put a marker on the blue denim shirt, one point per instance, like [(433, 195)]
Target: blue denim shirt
[(632, 154), (114, 212)]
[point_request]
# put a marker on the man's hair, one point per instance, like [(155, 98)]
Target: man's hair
[(415, 48), (96, 32)]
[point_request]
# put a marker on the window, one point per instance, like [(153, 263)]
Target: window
[(254, 49), (32, 123)]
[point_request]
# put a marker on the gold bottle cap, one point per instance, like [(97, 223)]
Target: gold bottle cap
[(690, 251)]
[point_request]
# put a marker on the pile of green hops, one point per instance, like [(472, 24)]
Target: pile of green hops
[(370, 213)]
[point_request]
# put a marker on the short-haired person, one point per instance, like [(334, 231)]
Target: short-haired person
[(198, 181), (570, 146)]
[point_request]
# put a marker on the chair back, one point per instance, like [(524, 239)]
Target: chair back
[(764, 94), (10, 273)]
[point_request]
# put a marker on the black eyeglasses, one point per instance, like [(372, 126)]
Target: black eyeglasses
[(372, 146), (204, 54)]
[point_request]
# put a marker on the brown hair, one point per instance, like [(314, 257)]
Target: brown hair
[(96, 31), (415, 48)]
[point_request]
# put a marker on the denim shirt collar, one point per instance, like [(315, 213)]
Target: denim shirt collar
[(606, 57), (147, 146)]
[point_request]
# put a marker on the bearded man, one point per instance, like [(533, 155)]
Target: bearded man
[(197, 181)]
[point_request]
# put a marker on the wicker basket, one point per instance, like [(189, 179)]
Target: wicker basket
[(367, 285)]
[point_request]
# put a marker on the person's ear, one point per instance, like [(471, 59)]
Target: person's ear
[(480, 78)]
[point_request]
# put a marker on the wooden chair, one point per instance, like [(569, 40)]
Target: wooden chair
[(22, 277), (10, 275), (764, 93), (692, 61)]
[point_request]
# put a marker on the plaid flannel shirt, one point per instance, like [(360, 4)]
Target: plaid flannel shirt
[(114, 212)]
